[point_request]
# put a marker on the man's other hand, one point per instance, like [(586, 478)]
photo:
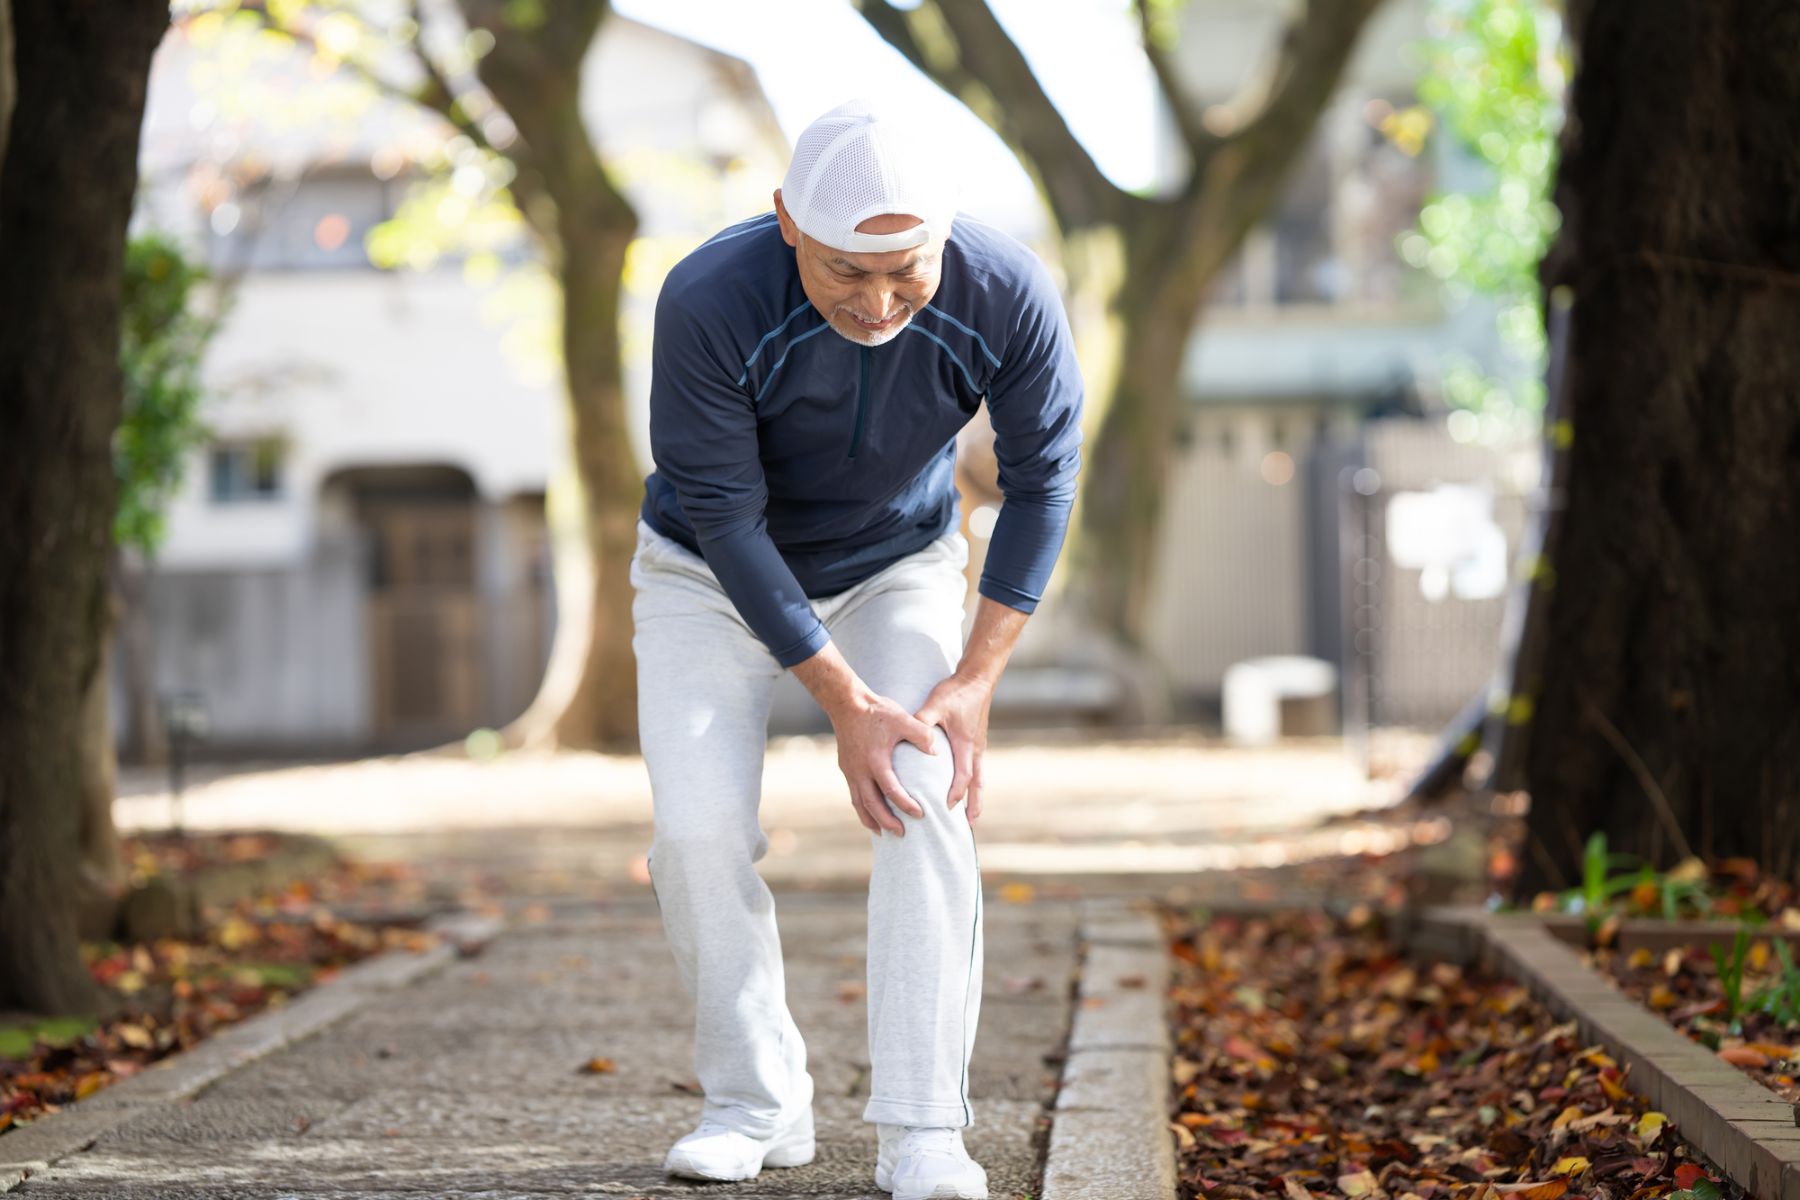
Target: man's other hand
[(960, 704)]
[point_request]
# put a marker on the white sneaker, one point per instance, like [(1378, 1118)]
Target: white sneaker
[(718, 1152), (923, 1162)]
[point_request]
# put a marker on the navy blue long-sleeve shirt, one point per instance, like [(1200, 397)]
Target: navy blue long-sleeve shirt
[(798, 463)]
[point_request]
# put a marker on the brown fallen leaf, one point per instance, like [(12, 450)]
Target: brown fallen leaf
[(1550, 1189), (1295, 1189)]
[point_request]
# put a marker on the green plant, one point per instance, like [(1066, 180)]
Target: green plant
[(162, 341), (1780, 998), (1731, 977), (1598, 885)]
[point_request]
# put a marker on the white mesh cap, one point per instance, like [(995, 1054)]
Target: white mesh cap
[(860, 161)]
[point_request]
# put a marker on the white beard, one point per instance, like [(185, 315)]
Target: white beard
[(878, 337)]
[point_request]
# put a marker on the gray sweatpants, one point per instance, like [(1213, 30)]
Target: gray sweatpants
[(704, 688)]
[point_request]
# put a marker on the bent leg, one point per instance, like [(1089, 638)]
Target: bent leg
[(704, 686), (925, 928)]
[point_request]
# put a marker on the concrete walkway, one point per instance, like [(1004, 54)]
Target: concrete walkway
[(469, 1082)]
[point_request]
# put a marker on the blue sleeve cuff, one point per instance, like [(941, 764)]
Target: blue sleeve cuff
[(798, 652), (1006, 594)]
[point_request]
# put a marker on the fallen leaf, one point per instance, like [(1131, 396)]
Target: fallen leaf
[(1574, 1164), (1688, 1174), (1650, 1126), (1549, 1189), (1744, 1056), (1362, 1183), (599, 1066)]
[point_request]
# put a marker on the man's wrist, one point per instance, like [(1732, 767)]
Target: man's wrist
[(836, 688)]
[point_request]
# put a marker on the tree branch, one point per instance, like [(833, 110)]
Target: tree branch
[(1315, 48), (1194, 134), (962, 48), (436, 95)]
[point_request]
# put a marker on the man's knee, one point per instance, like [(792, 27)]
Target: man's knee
[(926, 777)]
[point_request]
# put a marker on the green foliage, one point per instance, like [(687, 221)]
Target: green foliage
[(162, 342), (1674, 893), (1731, 977), (1494, 73), (1780, 999), (18, 1041), (1598, 884), (1703, 1189)]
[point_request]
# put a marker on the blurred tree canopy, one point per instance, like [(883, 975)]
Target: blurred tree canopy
[(1494, 73), (1139, 266), (163, 340)]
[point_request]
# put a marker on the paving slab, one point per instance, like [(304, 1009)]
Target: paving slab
[(469, 1082)]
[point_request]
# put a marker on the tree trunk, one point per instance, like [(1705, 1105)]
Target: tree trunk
[(584, 226), (65, 199), (1127, 469), (146, 739), (8, 79), (1670, 709), (102, 858)]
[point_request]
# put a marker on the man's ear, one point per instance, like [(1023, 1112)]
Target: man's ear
[(790, 232)]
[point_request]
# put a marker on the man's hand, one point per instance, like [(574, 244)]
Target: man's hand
[(960, 704), (868, 727), (867, 732)]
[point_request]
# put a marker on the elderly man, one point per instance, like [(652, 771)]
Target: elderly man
[(811, 368)]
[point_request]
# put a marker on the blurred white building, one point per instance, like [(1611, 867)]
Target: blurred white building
[(358, 560), (1322, 350), (358, 557)]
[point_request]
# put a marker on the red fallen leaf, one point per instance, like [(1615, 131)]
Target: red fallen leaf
[(1688, 1174), (1744, 1056), (1238, 1047), (1707, 1008)]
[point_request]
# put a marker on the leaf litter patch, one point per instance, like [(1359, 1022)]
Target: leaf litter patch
[(1314, 1062), (1743, 1003)]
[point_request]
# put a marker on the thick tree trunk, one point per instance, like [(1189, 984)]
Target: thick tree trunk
[(584, 225), (65, 198), (1126, 470), (146, 740), (603, 709), (8, 79), (102, 858), (1670, 709)]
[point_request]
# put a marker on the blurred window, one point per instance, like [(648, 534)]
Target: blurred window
[(239, 471), (317, 223), (1330, 240)]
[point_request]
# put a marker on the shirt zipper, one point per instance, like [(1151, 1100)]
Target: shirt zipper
[(862, 399)]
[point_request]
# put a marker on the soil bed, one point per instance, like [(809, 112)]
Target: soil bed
[(1685, 989), (161, 996), (1313, 1061)]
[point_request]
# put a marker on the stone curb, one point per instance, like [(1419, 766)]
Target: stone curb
[(1109, 1137), (32, 1148), (1742, 1126)]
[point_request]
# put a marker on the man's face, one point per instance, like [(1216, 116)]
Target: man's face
[(867, 298)]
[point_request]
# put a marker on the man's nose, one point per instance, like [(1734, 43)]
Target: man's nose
[(878, 299)]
